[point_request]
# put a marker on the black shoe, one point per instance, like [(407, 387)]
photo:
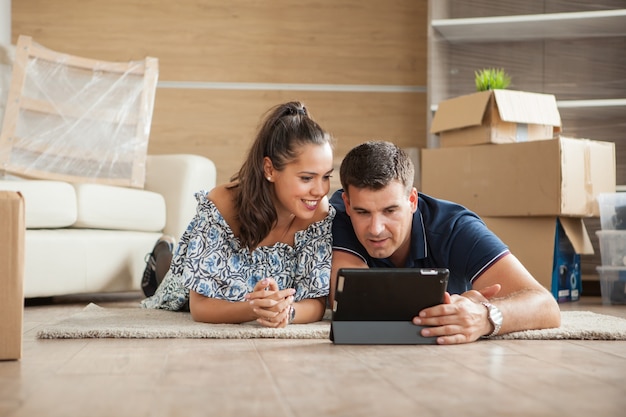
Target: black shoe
[(157, 264)]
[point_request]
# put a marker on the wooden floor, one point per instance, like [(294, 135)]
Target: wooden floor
[(266, 377)]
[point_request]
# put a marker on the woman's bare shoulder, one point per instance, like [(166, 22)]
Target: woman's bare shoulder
[(322, 211), (222, 197)]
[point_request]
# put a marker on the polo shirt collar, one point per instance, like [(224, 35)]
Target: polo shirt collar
[(418, 250)]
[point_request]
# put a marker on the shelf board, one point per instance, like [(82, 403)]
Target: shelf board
[(603, 23), (577, 104)]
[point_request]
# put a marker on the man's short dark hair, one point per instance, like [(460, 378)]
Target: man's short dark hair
[(374, 165)]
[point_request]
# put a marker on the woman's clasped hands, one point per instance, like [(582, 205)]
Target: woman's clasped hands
[(271, 305)]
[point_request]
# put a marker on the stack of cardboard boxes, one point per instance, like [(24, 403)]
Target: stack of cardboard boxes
[(502, 155)]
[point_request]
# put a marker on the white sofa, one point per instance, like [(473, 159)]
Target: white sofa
[(89, 238)]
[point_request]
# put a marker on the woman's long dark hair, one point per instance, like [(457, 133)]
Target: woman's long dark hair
[(285, 129)]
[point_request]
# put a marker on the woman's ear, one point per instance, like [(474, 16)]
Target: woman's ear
[(268, 168)]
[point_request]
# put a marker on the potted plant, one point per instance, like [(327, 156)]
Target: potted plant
[(491, 79)]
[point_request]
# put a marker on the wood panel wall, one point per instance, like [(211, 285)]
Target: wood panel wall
[(359, 65)]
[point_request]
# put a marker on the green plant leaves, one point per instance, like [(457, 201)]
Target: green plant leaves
[(491, 79)]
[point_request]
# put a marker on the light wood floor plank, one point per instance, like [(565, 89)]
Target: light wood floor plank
[(306, 378)]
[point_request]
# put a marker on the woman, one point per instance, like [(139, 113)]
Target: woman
[(259, 247)]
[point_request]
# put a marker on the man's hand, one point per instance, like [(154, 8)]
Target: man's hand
[(270, 304), (460, 319)]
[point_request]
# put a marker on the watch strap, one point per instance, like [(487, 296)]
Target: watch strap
[(292, 314), (495, 318)]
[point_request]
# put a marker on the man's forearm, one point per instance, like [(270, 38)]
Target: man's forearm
[(528, 309)]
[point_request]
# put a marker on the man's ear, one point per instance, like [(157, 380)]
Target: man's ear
[(413, 198), (346, 202)]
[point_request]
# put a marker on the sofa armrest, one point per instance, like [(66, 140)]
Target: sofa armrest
[(177, 177)]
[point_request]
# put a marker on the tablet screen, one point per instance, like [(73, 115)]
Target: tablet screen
[(387, 294)]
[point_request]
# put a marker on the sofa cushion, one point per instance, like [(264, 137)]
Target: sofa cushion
[(74, 261), (48, 204), (119, 208)]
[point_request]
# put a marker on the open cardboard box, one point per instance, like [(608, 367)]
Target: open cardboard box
[(549, 247), (496, 116), (12, 228), (558, 177)]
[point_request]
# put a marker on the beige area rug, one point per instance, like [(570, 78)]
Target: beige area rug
[(137, 323), (140, 323)]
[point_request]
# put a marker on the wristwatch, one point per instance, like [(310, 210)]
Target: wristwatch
[(292, 314), (495, 318)]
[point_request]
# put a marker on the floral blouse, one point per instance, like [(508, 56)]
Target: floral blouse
[(210, 261)]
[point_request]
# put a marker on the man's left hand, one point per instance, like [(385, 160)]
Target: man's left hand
[(460, 319)]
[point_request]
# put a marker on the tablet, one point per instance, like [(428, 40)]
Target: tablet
[(387, 294), (376, 306)]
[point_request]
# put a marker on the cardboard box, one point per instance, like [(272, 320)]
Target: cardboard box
[(549, 247), (496, 116), (560, 177), (12, 230)]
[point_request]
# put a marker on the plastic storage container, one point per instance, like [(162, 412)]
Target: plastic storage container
[(612, 211), (612, 247), (612, 284)]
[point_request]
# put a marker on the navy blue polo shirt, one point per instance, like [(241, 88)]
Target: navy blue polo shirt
[(443, 235)]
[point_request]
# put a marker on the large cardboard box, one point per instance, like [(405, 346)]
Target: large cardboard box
[(12, 230), (549, 247), (559, 177), (496, 116)]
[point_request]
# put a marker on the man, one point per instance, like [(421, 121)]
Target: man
[(382, 221)]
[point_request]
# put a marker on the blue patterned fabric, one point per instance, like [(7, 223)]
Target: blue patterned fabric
[(210, 261)]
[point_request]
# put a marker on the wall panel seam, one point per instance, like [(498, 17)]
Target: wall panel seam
[(365, 88)]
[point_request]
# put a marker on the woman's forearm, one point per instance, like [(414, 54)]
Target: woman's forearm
[(213, 310), (309, 310)]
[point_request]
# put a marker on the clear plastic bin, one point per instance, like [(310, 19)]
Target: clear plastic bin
[(612, 284), (612, 247), (612, 211)]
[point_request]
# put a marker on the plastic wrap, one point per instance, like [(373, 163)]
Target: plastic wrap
[(76, 119), (7, 53)]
